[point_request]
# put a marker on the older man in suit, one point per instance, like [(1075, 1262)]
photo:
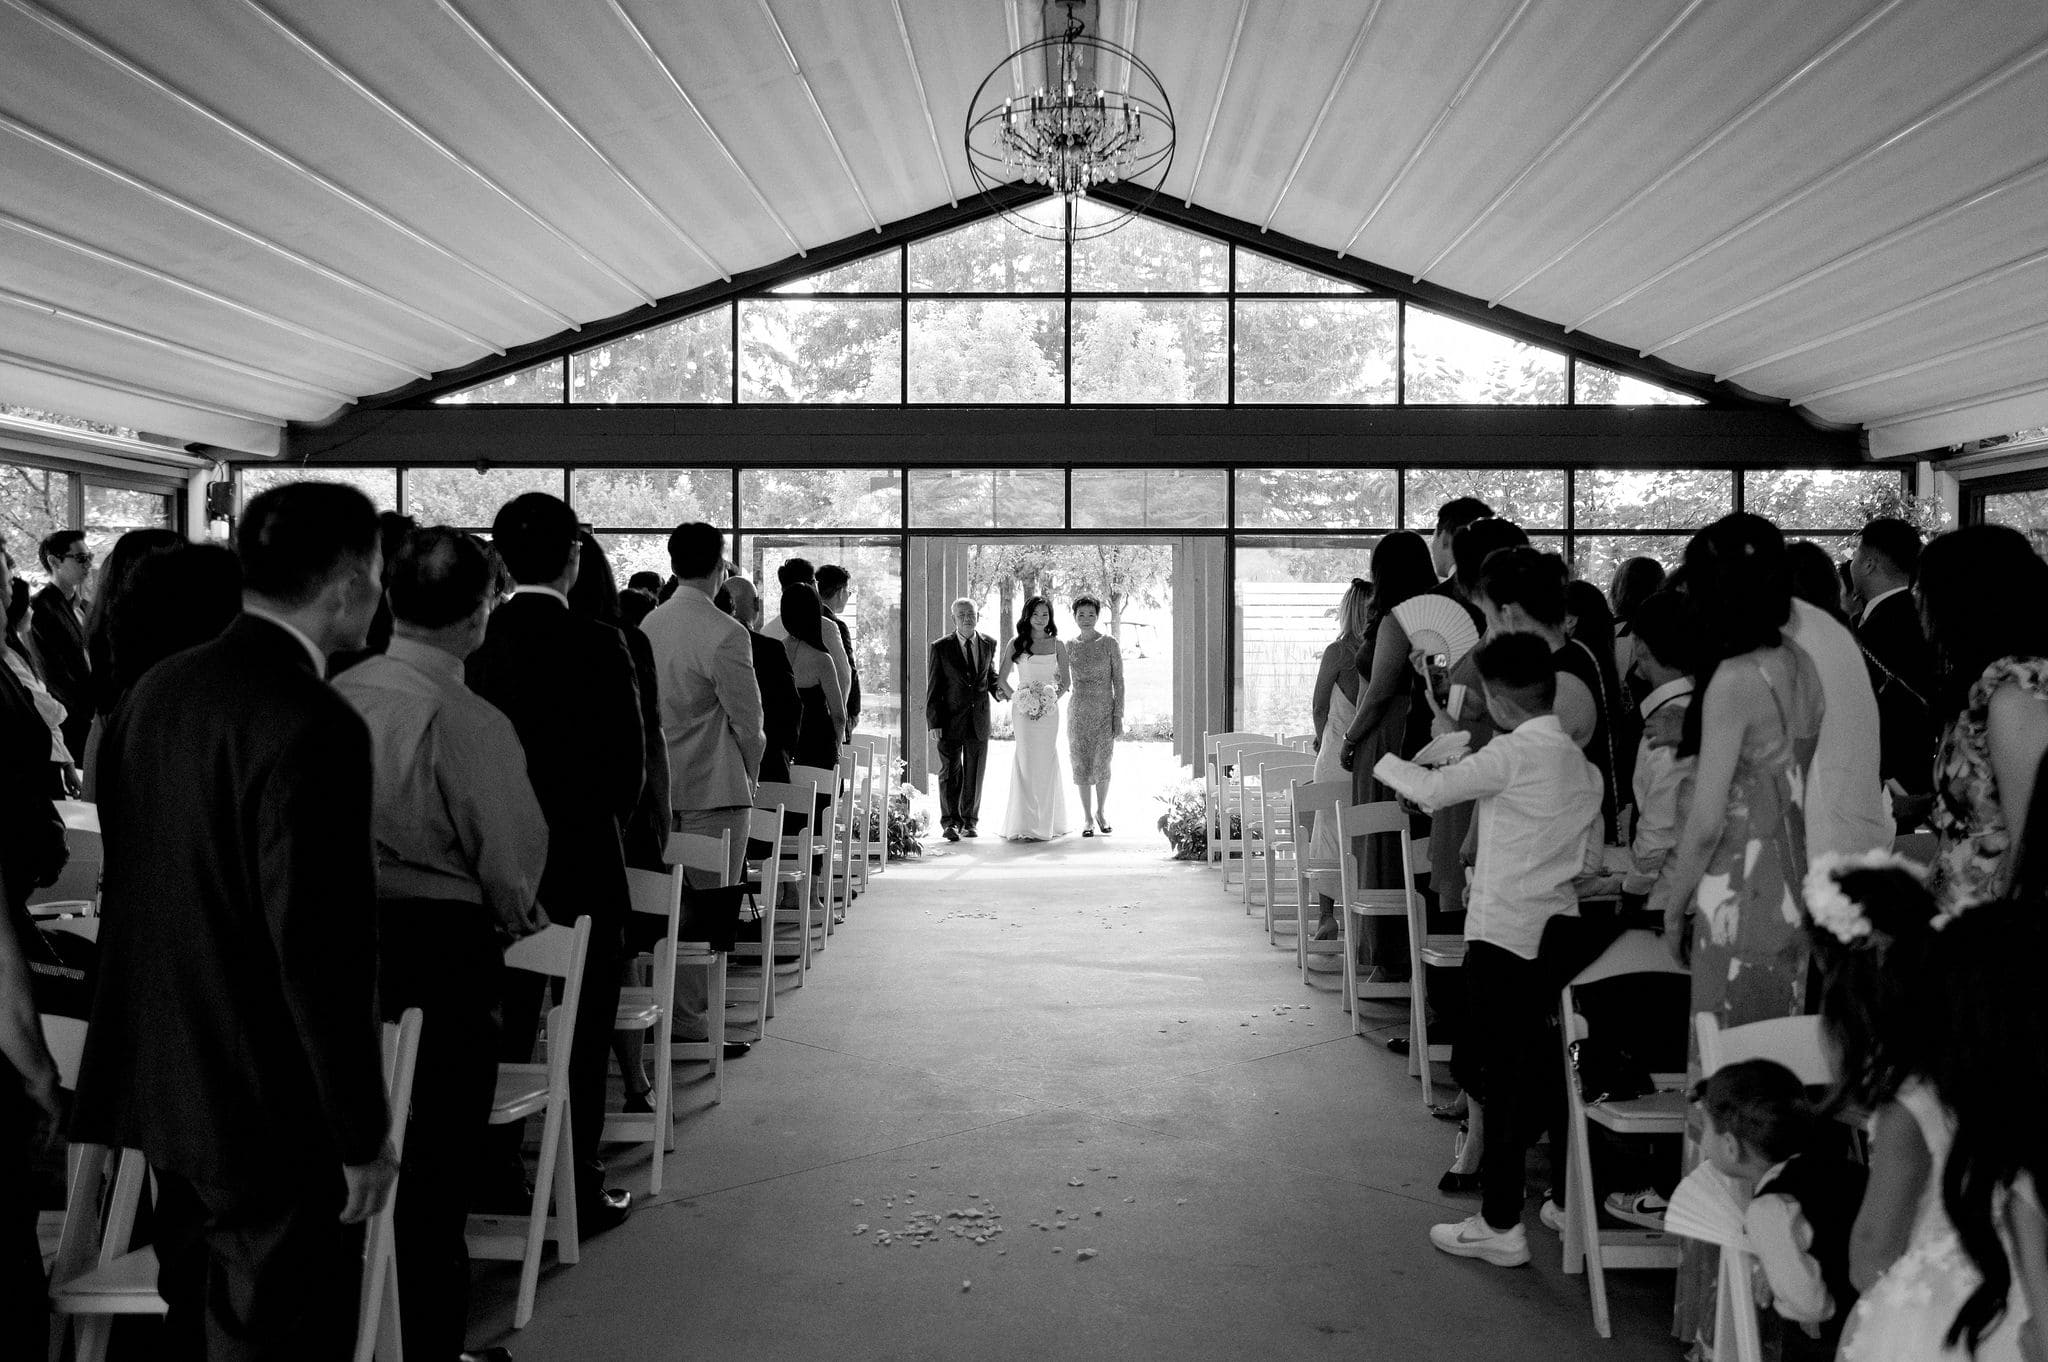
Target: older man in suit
[(566, 683), (711, 715), (962, 678), (234, 1036)]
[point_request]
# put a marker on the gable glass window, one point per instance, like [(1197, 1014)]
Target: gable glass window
[(1010, 351), (803, 350), (1148, 257), (1263, 274), (540, 383), (1595, 386), (1454, 362), (686, 361), (1316, 498), (1310, 350), (989, 256), (1150, 498), (988, 498), (881, 273), (654, 498), (1531, 497), (807, 498), (1166, 351)]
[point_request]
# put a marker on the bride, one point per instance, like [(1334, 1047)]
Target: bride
[(1038, 787)]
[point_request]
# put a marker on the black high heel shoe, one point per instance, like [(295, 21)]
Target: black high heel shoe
[(1104, 828)]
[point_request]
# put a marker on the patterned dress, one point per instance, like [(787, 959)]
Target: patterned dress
[(1749, 951), (1967, 814), (1095, 707)]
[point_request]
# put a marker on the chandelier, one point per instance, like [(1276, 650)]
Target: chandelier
[(1098, 116)]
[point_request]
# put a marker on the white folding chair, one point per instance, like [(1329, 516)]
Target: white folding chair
[(861, 813), (1239, 790), (76, 890), (798, 800), (1800, 1045), (760, 879), (1219, 754), (881, 753), (526, 1090), (1426, 951), (1356, 904), (1314, 875), (99, 1273), (1587, 1247), (1278, 825), (844, 866), (708, 857), (824, 842)]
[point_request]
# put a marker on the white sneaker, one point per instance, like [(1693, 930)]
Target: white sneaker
[(1474, 1238), (1552, 1216)]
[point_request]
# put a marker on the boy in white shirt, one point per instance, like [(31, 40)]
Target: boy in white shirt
[(1539, 821)]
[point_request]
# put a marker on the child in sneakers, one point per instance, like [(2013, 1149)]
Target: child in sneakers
[(1538, 818), (1764, 1135)]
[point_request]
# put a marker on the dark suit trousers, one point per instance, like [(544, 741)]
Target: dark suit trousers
[(961, 761), (443, 958), (24, 1302), (589, 1058), (258, 1274)]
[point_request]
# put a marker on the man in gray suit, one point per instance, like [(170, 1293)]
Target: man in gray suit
[(711, 717)]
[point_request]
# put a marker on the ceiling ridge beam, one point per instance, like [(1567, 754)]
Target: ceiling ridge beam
[(57, 312), (1832, 48), (1322, 114), (1500, 37), (397, 115), (1954, 405), (1921, 365), (923, 101), (1978, 88), (1974, 199), (1940, 295), (71, 375), (661, 64), (151, 272), (84, 158), (135, 70), (824, 123), (1571, 130), (1244, 8), (511, 68)]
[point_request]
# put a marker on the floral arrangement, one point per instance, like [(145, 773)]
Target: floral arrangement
[(1038, 700), (908, 818), (1186, 820), (1831, 908)]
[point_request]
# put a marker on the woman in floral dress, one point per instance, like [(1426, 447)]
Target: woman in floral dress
[(1979, 590), (1730, 896), (1095, 713)]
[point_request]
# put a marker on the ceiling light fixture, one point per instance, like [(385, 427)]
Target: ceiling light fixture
[(1098, 116)]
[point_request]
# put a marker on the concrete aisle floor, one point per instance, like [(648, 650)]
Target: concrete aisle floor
[(1047, 1032)]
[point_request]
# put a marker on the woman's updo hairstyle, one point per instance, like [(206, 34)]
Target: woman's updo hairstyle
[(1526, 577)]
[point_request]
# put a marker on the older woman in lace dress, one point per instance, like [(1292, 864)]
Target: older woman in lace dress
[(1095, 714)]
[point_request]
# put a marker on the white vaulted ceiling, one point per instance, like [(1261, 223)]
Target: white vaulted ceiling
[(218, 216)]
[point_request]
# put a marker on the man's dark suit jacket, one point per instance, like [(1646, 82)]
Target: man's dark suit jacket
[(956, 698), (782, 709), (1890, 634), (59, 642), (646, 832), (234, 1028), (853, 686), (31, 833), (566, 683)]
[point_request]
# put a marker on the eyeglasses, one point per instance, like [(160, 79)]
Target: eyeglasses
[(80, 556)]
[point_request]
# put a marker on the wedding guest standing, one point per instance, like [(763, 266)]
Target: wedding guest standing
[(461, 844), (1332, 707), (129, 553), (1095, 714), (835, 589), (1844, 802), (234, 1036), (782, 709), (805, 630), (796, 572), (1635, 581), (14, 594), (57, 633), (1901, 664), (567, 686), (1979, 590), (962, 677)]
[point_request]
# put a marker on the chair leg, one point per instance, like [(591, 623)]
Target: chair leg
[(664, 1102), (1350, 973), (93, 1333), (568, 1232), (390, 1344), (537, 1214), (715, 1023)]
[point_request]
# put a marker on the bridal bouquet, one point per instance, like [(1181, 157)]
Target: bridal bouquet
[(1036, 701)]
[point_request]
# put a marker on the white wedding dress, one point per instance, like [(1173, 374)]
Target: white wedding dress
[(1038, 777)]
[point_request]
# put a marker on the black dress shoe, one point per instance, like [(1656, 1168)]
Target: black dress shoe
[(1459, 1184), (485, 1355), (970, 832), (952, 834), (737, 1049), (1398, 1044), (605, 1211)]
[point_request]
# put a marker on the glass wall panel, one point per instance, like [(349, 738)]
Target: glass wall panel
[(989, 256), (684, 361), (467, 499), (1818, 498), (541, 383), (804, 498), (1288, 591), (111, 512), (1134, 350), (2024, 509), (1150, 498), (1263, 274), (874, 611), (1531, 497), (34, 502), (988, 499), (631, 553), (881, 273), (1593, 386), (379, 484), (1598, 555), (1315, 498), (987, 350), (651, 498), (1651, 499), (1316, 350), (798, 350), (1144, 256), (1449, 361)]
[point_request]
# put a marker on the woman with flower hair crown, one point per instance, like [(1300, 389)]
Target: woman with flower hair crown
[(1876, 938)]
